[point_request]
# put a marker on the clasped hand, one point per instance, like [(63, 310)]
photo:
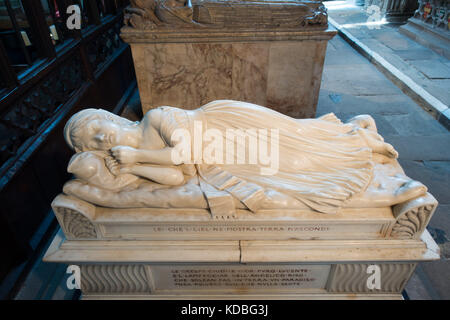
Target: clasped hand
[(121, 160), (124, 154)]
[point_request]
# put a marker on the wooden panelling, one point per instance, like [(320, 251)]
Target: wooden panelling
[(93, 69)]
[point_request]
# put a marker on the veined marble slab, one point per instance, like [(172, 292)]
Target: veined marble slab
[(280, 69)]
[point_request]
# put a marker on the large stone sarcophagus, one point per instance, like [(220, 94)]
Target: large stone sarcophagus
[(265, 52), (336, 218)]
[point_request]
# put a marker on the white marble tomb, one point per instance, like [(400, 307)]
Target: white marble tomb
[(228, 232)]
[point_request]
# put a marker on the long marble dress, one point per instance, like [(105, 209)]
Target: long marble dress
[(322, 162)]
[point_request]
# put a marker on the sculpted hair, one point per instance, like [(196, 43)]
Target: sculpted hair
[(77, 125)]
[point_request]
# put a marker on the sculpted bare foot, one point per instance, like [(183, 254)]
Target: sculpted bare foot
[(381, 158), (409, 190), (377, 144), (390, 151), (364, 121), (388, 191)]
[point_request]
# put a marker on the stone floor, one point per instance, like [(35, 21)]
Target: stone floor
[(425, 67), (40, 281), (351, 85)]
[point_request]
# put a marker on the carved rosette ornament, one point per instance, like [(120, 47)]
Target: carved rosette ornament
[(160, 14)]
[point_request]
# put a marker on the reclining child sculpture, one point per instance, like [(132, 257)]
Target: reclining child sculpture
[(318, 164)]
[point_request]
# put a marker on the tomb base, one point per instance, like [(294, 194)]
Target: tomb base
[(283, 269), (151, 253)]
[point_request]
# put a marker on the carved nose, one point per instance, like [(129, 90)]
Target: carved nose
[(100, 137)]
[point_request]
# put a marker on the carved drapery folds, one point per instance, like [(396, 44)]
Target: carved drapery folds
[(152, 14)]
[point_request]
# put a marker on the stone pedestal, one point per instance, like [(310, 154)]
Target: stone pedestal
[(430, 26), (273, 254), (254, 59), (289, 269)]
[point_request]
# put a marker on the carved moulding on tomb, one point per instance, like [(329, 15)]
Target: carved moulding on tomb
[(138, 279), (79, 221), (114, 279), (412, 217), (160, 14), (353, 277), (75, 218)]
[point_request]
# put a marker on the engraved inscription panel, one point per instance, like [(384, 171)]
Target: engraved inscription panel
[(240, 277), (248, 231)]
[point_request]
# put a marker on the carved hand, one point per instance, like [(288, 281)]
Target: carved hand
[(127, 168), (112, 165), (125, 155)]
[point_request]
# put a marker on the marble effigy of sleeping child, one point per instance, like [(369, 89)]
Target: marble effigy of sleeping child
[(100, 180), (324, 164)]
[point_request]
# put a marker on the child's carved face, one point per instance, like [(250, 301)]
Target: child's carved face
[(101, 135)]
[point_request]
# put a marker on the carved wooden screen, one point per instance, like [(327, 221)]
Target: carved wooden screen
[(48, 72), (43, 63)]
